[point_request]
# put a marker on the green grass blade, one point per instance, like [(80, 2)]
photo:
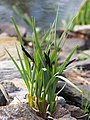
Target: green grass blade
[(53, 55), (15, 63), (27, 64), (36, 38), (28, 20), (22, 75), (20, 38), (61, 89), (56, 20), (50, 82), (62, 67), (41, 59), (38, 47), (24, 71), (16, 11), (49, 31), (46, 35)]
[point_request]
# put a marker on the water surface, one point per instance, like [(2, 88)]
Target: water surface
[(43, 10)]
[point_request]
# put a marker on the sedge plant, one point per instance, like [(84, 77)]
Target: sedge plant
[(42, 77)]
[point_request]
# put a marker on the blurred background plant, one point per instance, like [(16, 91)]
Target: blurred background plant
[(83, 17), (86, 106)]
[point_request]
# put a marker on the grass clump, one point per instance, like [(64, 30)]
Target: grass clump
[(42, 77)]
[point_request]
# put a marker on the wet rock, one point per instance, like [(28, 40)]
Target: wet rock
[(18, 112), (9, 29)]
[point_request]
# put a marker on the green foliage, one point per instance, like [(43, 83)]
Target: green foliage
[(41, 78), (86, 106), (83, 16)]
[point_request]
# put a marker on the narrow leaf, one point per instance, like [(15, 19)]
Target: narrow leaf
[(20, 38), (69, 82), (22, 75), (27, 54), (62, 67), (24, 71), (15, 63)]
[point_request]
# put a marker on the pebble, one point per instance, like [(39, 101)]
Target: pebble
[(61, 101)]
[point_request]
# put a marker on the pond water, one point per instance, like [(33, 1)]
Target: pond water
[(43, 10)]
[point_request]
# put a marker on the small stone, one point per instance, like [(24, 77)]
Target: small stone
[(3, 35), (61, 101), (30, 44)]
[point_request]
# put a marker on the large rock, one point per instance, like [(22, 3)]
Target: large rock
[(18, 112), (22, 112), (71, 95)]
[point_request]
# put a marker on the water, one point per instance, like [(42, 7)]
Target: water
[(43, 10)]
